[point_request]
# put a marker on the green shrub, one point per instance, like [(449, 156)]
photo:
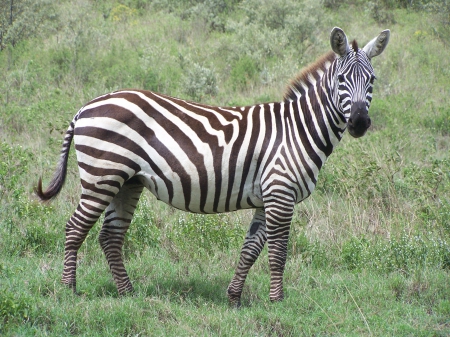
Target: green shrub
[(12, 308), (381, 13), (353, 252), (22, 19), (405, 253), (199, 82), (294, 19), (18, 209), (439, 120), (15, 162), (442, 24), (243, 73), (206, 233), (211, 12), (144, 231)]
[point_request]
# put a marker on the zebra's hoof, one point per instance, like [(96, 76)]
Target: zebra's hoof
[(235, 304), (127, 293), (70, 285), (234, 300), (277, 298)]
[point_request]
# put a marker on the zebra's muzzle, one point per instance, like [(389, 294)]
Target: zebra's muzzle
[(359, 121)]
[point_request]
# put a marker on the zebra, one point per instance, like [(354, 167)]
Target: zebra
[(207, 159)]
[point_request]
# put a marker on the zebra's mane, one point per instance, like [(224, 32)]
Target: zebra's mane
[(308, 76)]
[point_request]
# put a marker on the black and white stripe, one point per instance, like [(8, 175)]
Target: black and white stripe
[(208, 159)]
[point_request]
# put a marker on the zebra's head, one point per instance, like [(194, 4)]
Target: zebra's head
[(354, 77)]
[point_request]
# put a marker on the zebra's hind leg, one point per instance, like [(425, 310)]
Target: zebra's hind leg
[(85, 216), (118, 217), (254, 242)]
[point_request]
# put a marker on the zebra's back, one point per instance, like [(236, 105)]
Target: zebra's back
[(174, 146)]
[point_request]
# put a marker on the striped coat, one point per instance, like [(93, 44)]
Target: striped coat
[(207, 159)]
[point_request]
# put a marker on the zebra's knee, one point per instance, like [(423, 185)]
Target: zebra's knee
[(103, 239)]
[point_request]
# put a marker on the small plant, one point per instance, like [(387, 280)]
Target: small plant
[(143, 231), (353, 252), (380, 13), (405, 254), (199, 82), (243, 73), (122, 13), (207, 233), (12, 308)]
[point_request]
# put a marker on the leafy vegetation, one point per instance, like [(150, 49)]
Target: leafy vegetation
[(369, 252)]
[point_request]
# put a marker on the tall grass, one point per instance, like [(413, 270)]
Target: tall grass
[(369, 251)]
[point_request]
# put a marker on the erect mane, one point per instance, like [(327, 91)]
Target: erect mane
[(308, 76), (355, 46)]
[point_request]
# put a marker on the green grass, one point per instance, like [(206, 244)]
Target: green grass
[(186, 297), (369, 252)]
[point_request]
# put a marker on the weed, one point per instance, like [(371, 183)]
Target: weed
[(377, 228), (405, 254), (207, 233), (13, 308), (353, 252), (243, 73), (143, 232), (200, 82), (380, 13)]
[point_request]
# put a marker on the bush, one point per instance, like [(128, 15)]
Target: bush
[(405, 253), (15, 161), (144, 231), (199, 82), (206, 233), (211, 12), (442, 8), (382, 14), (12, 308), (295, 19), (243, 73), (22, 19), (18, 208)]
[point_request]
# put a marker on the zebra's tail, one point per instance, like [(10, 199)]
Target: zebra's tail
[(59, 176)]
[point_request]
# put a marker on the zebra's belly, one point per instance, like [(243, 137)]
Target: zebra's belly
[(194, 199)]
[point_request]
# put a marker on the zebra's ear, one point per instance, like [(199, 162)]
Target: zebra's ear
[(338, 41), (377, 45)]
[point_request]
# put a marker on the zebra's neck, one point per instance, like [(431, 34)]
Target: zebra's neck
[(312, 98), (308, 77)]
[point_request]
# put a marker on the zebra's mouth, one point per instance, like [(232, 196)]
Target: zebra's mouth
[(358, 126), (359, 121), (356, 133)]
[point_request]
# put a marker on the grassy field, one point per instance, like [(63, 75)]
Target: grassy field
[(369, 252)]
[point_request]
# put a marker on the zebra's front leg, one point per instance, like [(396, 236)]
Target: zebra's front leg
[(118, 217), (253, 244), (278, 221)]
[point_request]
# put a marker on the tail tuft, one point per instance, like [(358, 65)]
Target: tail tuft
[(47, 195), (59, 176)]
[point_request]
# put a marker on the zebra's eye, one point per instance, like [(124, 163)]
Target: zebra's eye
[(341, 78)]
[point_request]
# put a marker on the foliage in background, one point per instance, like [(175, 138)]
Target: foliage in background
[(375, 233), (22, 19)]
